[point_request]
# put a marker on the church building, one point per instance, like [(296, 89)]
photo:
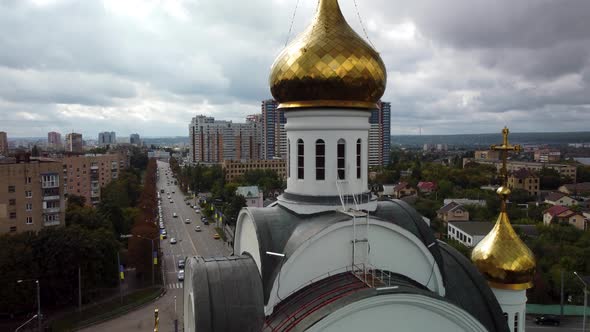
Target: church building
[(327, 255)]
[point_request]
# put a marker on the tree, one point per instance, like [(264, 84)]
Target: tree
[(35, 151), (550, 178)]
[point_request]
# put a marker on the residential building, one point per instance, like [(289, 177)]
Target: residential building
[(560, 199), (466, 201), (54, 140), (575, 188), (546, 155), (74, 143), (469, 233), (403, 189), (30, 194), (426, 187), (562, 214), (452, 212), (85, 175), (212, 141), (487, 155), (236, 168), (525, 180), (3, 144), (274, 137), (380, 135), (511, 166), (134, 139), (107, 138), (252, 195)]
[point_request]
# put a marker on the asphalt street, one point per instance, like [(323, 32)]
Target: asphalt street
[(189, 243), (568, 324)]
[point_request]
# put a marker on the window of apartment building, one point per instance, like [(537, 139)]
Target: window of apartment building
[(358, 158), (28, 180), (51, 217), (320, 160), (11, 189), (29, 207), (28, 194), (12, 229), (12, 201), (12, 215), (340, 159), (29, 220), (49, 180), (300, 159)]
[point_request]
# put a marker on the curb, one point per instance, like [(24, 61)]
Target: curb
[(122, 313)]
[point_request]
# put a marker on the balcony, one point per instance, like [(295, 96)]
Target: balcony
[(93, 168), (51, 198), (52, 210), (48, 185), (51, 223)]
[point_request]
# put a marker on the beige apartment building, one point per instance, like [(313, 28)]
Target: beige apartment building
[(526, 180), (513, 166), (30, 194), (236, 168), (74, 143), (85, 175)]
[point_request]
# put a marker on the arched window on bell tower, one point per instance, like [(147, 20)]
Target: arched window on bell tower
[(320, 160), (358, 158), (341, 159), (289, 158), (300, 159)]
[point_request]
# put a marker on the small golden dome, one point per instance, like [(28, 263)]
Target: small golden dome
[(503, 258), (328, 65)]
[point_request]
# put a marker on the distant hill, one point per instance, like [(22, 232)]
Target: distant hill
[(487, 139)]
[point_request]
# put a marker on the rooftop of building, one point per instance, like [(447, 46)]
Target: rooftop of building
[(554, 196), (474, 228), (523, 173)]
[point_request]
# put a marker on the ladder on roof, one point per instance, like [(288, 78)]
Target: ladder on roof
[(360, 229)]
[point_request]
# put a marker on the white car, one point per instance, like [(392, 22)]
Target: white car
[(173, 240), (198, 229), (181, 275), (174, 215), (187, 221)]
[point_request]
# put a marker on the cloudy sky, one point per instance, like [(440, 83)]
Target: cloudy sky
[(456, 66)]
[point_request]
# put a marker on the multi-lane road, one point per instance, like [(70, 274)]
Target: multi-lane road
[(189, 243)]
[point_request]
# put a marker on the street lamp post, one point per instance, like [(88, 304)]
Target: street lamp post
[(585, 300), (38, 298), (151, 253)]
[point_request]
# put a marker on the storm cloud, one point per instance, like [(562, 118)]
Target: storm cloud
[(461, 66)]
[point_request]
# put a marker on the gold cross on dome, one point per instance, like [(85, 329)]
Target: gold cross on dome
[(504, 148)]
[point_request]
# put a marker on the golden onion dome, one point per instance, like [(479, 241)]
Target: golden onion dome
[(328, 65), (502, 257)]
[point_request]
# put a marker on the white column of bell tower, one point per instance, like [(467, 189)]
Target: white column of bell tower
[(329, 125), (513, 303)]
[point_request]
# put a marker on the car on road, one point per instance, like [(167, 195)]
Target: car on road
[(188, 203), (216, 236), (173, 191), (198, 229), (197, 210), (547, 320), (181, 264), (174, 215), (187, 221), (206, 222), (181, 275), (173, 240), (171, 201), (161, 225)]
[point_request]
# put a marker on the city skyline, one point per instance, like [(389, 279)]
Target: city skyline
[(468, 67)]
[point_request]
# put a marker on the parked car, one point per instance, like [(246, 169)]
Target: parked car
[(216, 236), (206, 222), (181, 275), (174, 215), (547, 320), (197, 210), (173, 240), (198, 229), (181, 263)]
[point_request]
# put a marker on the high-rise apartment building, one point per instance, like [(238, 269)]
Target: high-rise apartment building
[(212, 141), (85, 175), (274, 137), (107, 138), (54, 140), (3, 143), (380, 135), (134, 139), (30, 194), (74, 143)]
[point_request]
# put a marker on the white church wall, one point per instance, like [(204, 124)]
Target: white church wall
[(513, 303), (399, 312), (330, 126), (329, 252), (246, 239)]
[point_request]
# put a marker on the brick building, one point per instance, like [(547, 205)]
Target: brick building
[(236, 168)]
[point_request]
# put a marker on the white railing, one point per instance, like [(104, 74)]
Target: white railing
[(51, 198), (51, 210)]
